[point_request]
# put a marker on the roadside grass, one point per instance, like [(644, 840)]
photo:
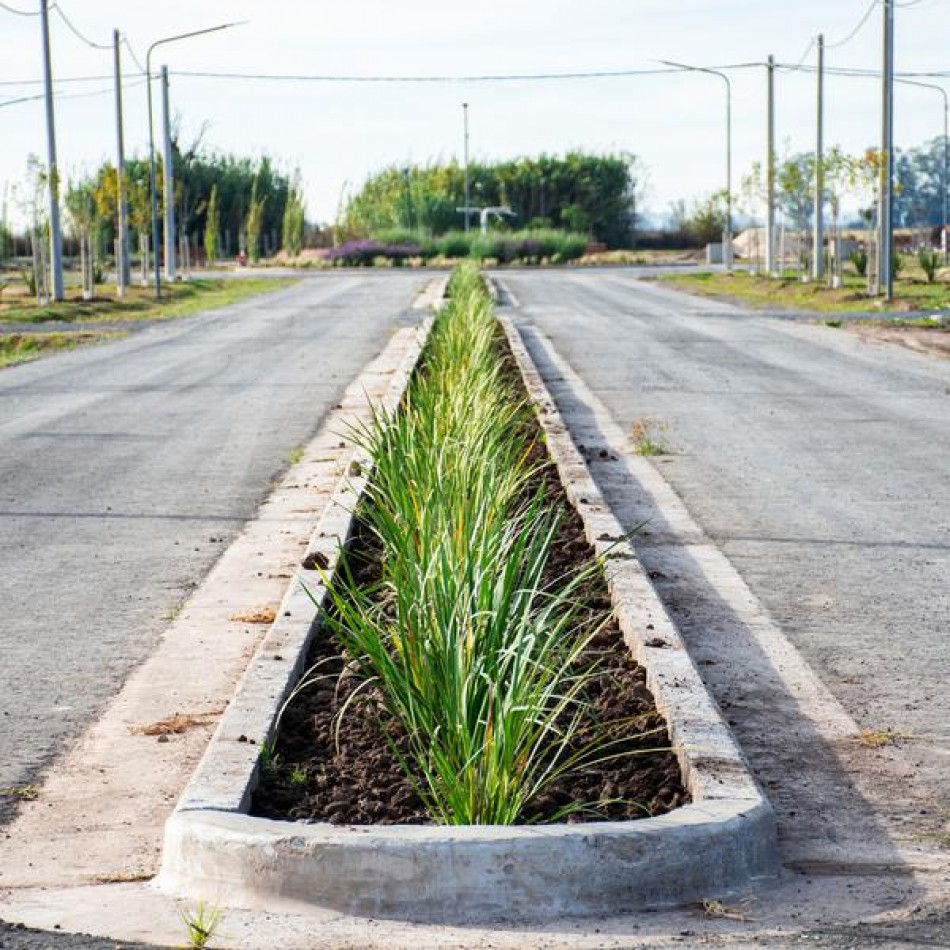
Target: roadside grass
[(467, 646), (22, 347), (180, 299), (912, 292)]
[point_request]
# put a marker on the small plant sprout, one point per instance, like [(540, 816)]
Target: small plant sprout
[(647, 441), (201, 923)]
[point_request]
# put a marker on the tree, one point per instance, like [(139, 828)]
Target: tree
[(294, 220), (82, 215), (702, 222), (212, 226), (255, 221)]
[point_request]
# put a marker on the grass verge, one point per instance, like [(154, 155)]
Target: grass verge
[(791, 293), (180, 300), (22, 347)]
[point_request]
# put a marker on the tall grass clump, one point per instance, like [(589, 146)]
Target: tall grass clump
[(471, 652)]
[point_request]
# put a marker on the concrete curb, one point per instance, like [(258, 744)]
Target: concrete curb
[(429, 874)]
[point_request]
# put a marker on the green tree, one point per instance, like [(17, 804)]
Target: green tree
[(212, 226), (294, 220), (255, 221)]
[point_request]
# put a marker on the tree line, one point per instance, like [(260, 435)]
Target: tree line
[(590, 194), (224, 204), (850, 182)]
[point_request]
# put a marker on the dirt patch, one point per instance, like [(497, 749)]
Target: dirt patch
[(922, 339), (344, 769)]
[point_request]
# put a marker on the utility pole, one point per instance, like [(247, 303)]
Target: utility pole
[(55, 234), (468, 189), (770, 174), (886, 198), (122, 276), (169, 184), (818, 262)]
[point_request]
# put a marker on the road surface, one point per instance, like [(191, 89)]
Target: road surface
[(125, 470), (820, 464)]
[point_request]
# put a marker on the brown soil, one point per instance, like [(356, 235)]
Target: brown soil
[(343, 770), (923, 339)]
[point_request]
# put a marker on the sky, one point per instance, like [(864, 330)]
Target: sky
[(337, 134)]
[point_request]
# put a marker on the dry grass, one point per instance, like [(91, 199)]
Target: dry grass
[(177, 724), (255, 615), (717, 910), (880, 738)]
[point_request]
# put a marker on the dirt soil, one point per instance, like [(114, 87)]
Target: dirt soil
[(343, 770), (923, 339)]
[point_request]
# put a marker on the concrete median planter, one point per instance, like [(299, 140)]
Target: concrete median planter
[(718, 844)]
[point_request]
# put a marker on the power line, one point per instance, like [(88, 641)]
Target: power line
[(864, 19), (72, 95), (479, 78), (135, 59), (76, 32), (16, 12)]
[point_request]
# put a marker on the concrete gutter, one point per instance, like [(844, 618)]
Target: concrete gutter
[(717, 845)]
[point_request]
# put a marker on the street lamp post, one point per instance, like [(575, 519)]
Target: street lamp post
[(468, 190), (727, 235), (151, 137), (945, 243)]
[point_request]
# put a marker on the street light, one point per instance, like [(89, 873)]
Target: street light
[(727, 236), (151, 136), (468, 189), (946, 110)]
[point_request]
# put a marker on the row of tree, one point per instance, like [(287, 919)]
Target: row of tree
[(850, 183), (227, 203), (591, 194)]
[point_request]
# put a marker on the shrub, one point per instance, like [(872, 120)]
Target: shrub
[(929, 261), (859, 259)]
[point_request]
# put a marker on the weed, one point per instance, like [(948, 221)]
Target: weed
[(834, 324), (296, 456), (202, 923), (646, 441), (27, 793), (879, 738), (269, 759), (298, 777)]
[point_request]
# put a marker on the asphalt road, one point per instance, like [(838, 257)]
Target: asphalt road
[(126, 468), (820, 464)]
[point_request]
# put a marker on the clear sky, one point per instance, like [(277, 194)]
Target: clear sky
[(337, 134)]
